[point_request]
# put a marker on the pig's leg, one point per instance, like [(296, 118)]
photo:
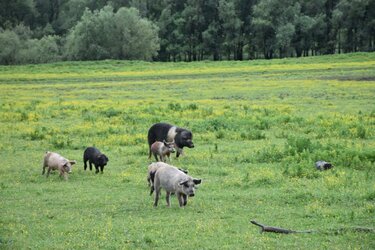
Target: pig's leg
[(48, 171), (97, 169), (157, 193), (180, 199), (152, 189), (85, 166), (169, 158), (101, 169), (44, 169), (179, 152), (62, 174), (184, 197), (167, 199), (149, 180), (156, 157)]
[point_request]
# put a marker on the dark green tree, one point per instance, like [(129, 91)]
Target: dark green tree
[(232, 29)]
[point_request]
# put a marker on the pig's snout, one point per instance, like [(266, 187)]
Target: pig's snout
[(191, 195)]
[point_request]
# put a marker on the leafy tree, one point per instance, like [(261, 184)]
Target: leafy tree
[(232, 29), (274, 25), (104, 34), (70, 13), (172, 31), (138, 37), (9, 44), (191, 26), (212, 37), (17, 11), (42, 50), (170, 36), (354, 22)]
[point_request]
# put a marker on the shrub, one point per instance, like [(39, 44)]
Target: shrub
[(111, 112), (269, 154), (253, 135), (263, 124), (300, 170), (9, 44), (38, 134), (192, 106), (61, 142), (361, 131), (298, 144), (174, 106)]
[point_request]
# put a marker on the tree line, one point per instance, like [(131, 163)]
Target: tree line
[(38, 31)]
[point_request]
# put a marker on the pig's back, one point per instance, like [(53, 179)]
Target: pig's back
[(169, 177), (54, 159)]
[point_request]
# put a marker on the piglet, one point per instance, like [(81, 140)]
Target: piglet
[(162, 149)]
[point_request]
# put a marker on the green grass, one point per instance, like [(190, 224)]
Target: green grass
[(258, 127)]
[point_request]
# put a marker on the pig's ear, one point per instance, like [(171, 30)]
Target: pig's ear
[(183, 182), (183, 170), (72, 162), (197, 181), (66, 165)]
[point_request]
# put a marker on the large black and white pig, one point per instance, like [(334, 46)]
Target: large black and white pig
[(164, 131), (94, 156), (175, 181)]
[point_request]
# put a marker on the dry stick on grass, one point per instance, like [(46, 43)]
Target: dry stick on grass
[(287, 231), (277, 229)]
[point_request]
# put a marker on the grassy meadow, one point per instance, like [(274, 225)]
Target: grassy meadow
[(258, 126)]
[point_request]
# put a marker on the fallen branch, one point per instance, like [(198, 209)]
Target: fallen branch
[(265, 228)]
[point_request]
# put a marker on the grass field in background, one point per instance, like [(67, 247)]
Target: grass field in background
[(258, 126)]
